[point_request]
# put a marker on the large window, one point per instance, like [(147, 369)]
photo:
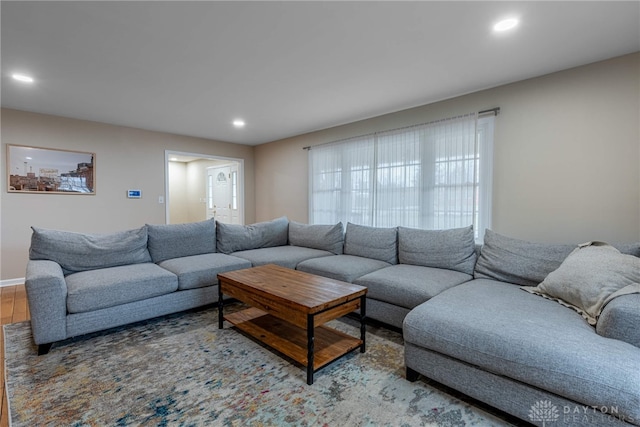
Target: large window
[(433, 176)]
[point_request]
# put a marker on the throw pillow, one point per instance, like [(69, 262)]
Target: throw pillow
[(590, 277), (233, 238), (372, 242), (80, 252), (167, 241), (317, 236), (453, 249), (518, 261)]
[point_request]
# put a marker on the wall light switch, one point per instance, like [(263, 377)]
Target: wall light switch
[(161, 199)]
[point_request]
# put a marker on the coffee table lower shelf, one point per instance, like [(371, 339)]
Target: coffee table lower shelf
[(329, 344)]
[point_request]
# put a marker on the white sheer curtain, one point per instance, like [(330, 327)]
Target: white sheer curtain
[(341, 181), (431, 176)]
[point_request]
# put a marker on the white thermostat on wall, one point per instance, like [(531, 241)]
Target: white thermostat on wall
[(134, 194)]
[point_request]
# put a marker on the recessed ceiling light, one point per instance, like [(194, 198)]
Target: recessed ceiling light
[(505, 24), (239, 123), (22, 78)]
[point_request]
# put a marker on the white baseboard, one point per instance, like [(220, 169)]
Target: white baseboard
[(12, 282)]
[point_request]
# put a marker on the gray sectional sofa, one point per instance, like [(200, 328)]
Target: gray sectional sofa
[(465, 320)]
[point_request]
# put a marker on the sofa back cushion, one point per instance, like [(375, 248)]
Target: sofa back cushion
[(372, 242), (628, 248), (518, 261), (328, 238), (167, 241), (620, 318), (80, 252), (452, 249), (233, 237)]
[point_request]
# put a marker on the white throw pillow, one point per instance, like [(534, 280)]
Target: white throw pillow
[(590, 277)]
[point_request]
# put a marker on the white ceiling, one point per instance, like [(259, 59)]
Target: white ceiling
[(287, 68)]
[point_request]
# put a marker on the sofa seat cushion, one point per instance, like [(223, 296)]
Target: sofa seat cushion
[(108, 287), (286, 256), (198, 271), (342, 267), (409, 285), (503, 330)]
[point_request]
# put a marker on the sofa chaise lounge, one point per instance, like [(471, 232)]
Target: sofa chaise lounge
[(530, 356)]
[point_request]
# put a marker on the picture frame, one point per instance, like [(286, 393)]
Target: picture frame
[(38, 170)]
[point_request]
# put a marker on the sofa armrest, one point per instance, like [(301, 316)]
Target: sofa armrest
[(620, 319), (47, 296)]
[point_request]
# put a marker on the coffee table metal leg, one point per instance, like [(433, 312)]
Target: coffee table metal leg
[(220, 306), (363, 325), (310, 348)]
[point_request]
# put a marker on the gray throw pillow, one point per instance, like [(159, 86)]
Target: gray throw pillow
[(233, 237), (317, 236), (518, 261), (453, 249), (372, 242), (80, 252), (167, 241), (590, 277)]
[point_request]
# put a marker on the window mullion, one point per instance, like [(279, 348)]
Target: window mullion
[(374, 183)]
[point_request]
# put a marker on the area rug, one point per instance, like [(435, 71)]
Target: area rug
[(180, 370)]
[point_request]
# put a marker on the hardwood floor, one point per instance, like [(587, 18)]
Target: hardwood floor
[(13, 308)]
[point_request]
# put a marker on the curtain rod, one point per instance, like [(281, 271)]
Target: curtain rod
[(495, 112)]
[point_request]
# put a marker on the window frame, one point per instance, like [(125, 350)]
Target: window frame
[(358, 187)]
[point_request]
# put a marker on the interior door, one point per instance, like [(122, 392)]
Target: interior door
[(219, 201)]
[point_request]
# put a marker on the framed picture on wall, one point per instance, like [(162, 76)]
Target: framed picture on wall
[(47, 170)]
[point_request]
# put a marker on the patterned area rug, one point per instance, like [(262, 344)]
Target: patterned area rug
[(180, 370)]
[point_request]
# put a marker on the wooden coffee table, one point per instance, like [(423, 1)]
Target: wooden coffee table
[(288, 309)]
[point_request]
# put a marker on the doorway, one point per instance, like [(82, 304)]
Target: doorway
[(222, 193), (195, 189)]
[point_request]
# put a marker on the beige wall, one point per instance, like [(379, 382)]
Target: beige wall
[(126, 158), (197, 190), (178, 185), (566, 163), (187, 189), (566, 159)]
